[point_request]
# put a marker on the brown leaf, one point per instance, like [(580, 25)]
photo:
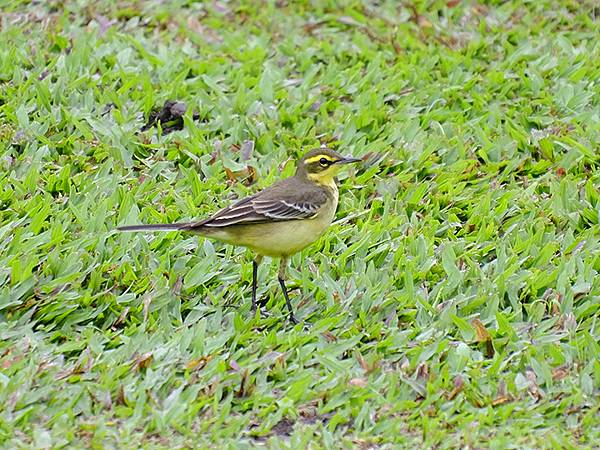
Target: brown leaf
[(365, 365), (7, 363), (121, 399), (560, 372), (231, 175), (362, 362), (245, 388), (246, 176), (218, 145), (252, 175), (58, 289), (208, 34), (416, 17), (483, 334), (122, 317), (566, 322), (347, 20), (423, 371), (501, 400), (534, 389), (284, 163), (309, 27), (573, 409), (458, 387), (210, 390), (65, 374), (554, 299), (570, 322), (424, 23), (178, 285), (79, 366), (142, 361), (395, 44), (198, 363), (358, 382), (146, 302), (89, 361), (274, 358), (329, 336)]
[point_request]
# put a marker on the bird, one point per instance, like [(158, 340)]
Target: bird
[(278, 221)]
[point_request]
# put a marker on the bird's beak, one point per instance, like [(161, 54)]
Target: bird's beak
[(348, 160)]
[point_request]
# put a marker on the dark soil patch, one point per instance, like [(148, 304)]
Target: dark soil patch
[(170, 117)]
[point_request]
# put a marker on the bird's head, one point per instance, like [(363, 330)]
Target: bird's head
[(321, 165)]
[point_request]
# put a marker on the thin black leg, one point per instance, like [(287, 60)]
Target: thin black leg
[(282, 273), (255, 264), (287, 300)]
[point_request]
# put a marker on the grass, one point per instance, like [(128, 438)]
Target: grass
[(455, 302)]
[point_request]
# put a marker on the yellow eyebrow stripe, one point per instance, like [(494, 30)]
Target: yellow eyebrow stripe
[(317, 158)]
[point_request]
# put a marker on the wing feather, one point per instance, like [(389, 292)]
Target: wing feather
[(268, 206), (283, 210)]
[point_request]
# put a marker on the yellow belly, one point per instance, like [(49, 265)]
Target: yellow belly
[(275, 239)]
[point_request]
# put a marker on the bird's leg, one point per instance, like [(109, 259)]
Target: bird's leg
[(281, 277), (255, 264)]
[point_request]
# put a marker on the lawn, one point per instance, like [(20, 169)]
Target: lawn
[(454, 302)]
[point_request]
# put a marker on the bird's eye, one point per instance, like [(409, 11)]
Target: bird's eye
[(324, 162)]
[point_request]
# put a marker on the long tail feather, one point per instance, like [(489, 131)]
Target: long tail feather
[(154, 227)]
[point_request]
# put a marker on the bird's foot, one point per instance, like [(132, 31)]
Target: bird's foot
[(259, 313), (293, 319), (305, 324)]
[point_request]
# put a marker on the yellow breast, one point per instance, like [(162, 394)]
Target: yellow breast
[(279, 239)]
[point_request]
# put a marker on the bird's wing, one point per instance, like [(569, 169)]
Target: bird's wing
[(268, 206)]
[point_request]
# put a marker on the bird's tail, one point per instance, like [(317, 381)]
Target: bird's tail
[(155, 227)]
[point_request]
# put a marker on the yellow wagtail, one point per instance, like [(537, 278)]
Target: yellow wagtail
[(278, 221)]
